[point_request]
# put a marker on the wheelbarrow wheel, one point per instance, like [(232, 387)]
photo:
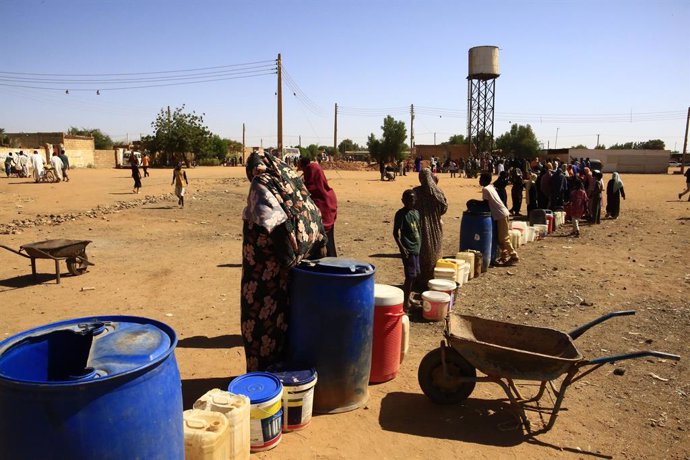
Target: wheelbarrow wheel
[(442, 388), (77, 266)]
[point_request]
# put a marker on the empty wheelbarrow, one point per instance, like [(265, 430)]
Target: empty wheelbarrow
[(73, 252), (505, 352)]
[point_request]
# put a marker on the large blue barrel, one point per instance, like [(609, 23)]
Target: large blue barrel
[(331, 329), (102, 387), (476, 232)]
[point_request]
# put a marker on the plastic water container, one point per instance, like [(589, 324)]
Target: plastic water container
[(476, 232), (298, 398), (388, 313), (518, 225), (448, 263), (445, 273), (541, 230), (206, 435), (331, 329), (447, 286), (529, 234), (460, 276), (265, 393), (94, 387), (515, 238), (549, 223), (236, 409), (559, 217), (435, 305), (469, 258), (405, 343), (537, 216)]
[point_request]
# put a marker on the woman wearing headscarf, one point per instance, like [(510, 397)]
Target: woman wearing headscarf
[(530, 180), (281, 226), (516, 190), (324, 198), (431, 204), (500, 185), (614, 192), (558, 186)]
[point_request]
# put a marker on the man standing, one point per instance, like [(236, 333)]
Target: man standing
[(37, 163), (56, 162), (145, 164), (500, 214), (687, 184), (65, 165)]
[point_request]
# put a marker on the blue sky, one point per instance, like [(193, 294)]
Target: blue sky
[(571, 69)]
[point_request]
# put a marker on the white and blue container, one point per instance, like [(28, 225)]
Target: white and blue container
[(298, 397), (265, 393)]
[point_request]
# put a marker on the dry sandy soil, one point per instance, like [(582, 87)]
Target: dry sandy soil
[(182, 266)]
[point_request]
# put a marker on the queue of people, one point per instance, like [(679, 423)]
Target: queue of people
[(22, 165)]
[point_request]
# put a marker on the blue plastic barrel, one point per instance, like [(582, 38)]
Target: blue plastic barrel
[(103, 387), (476, 232), (331, 329)]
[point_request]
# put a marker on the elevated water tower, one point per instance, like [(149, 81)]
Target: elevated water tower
[(481, 94)]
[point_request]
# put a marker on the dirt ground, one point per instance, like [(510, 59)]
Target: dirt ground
[(182, 267)]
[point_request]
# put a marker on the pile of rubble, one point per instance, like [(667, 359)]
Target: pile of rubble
[(15, 227)]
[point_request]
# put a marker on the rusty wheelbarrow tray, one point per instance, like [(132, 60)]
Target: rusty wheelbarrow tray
[(505, 352), (73, 252)]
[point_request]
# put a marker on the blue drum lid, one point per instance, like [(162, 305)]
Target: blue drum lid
[(84, 349), (259, 387), (296, 378), (337, 266)]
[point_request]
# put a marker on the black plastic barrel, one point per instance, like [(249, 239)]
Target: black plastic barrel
[(537, 216), (99, 387), (331, 329), (476, 232)]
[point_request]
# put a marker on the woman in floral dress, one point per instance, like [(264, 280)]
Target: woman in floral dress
[(281, 226)]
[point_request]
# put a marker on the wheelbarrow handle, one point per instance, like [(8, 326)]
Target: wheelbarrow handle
[(15, 251), (577, 332), (633, 355)]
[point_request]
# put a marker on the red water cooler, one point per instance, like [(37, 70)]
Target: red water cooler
[(388, 331)]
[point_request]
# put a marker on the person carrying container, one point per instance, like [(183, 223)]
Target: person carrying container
[(499, 213)]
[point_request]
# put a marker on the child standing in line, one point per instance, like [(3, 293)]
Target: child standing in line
[(407, 234), (178, 177), (499, 213), (578, 205)]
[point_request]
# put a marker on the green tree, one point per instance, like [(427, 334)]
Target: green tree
[(652, 144), (519, 141), (178, 135), (4, 140), (579, 146), (392, 144), (216, 147), (456, 139), (625, 146), (101, 141), (347, 145)]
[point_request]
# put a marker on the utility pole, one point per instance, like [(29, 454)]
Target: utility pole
[(280, 106), (597, 140), (243, 144), (300, 141), (685, 144), (412, 149), (434, 138), (555, 143), (335, 130)]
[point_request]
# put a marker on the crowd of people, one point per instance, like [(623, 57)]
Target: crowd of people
[(21, 165)]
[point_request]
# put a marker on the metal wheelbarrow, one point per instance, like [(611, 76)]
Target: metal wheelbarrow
[(505, 352), (73, 252)]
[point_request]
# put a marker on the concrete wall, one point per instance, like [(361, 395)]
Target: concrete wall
[(104, 158), (79, 149), (454, 151), (627, 161)]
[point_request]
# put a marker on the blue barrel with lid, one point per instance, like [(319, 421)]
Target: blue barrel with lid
[(331, 329), (104, 387), (476, 232)]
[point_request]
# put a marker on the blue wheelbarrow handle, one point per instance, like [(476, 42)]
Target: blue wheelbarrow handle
[(636, 354), (577, 332)]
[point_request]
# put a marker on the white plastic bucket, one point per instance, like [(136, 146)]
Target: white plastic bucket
[(298, 398), (435, 305), (265, 392), (447, 286), (541, 230)]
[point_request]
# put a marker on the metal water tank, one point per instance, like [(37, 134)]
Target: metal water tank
[(483, 63)]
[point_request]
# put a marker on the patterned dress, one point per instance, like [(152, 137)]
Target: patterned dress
[(431, 204), (281, 226)]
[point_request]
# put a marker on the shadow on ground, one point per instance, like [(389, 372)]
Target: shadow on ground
[(193, 389), (221, 341), (475, 421), (23, 281)]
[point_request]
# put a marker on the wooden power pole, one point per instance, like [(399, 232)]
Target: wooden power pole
[(280, 106), (335, 130), (412, 151), (685, 144), (243, 144)]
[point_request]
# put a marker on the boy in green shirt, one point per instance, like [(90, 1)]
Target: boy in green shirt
[(409, 238)]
